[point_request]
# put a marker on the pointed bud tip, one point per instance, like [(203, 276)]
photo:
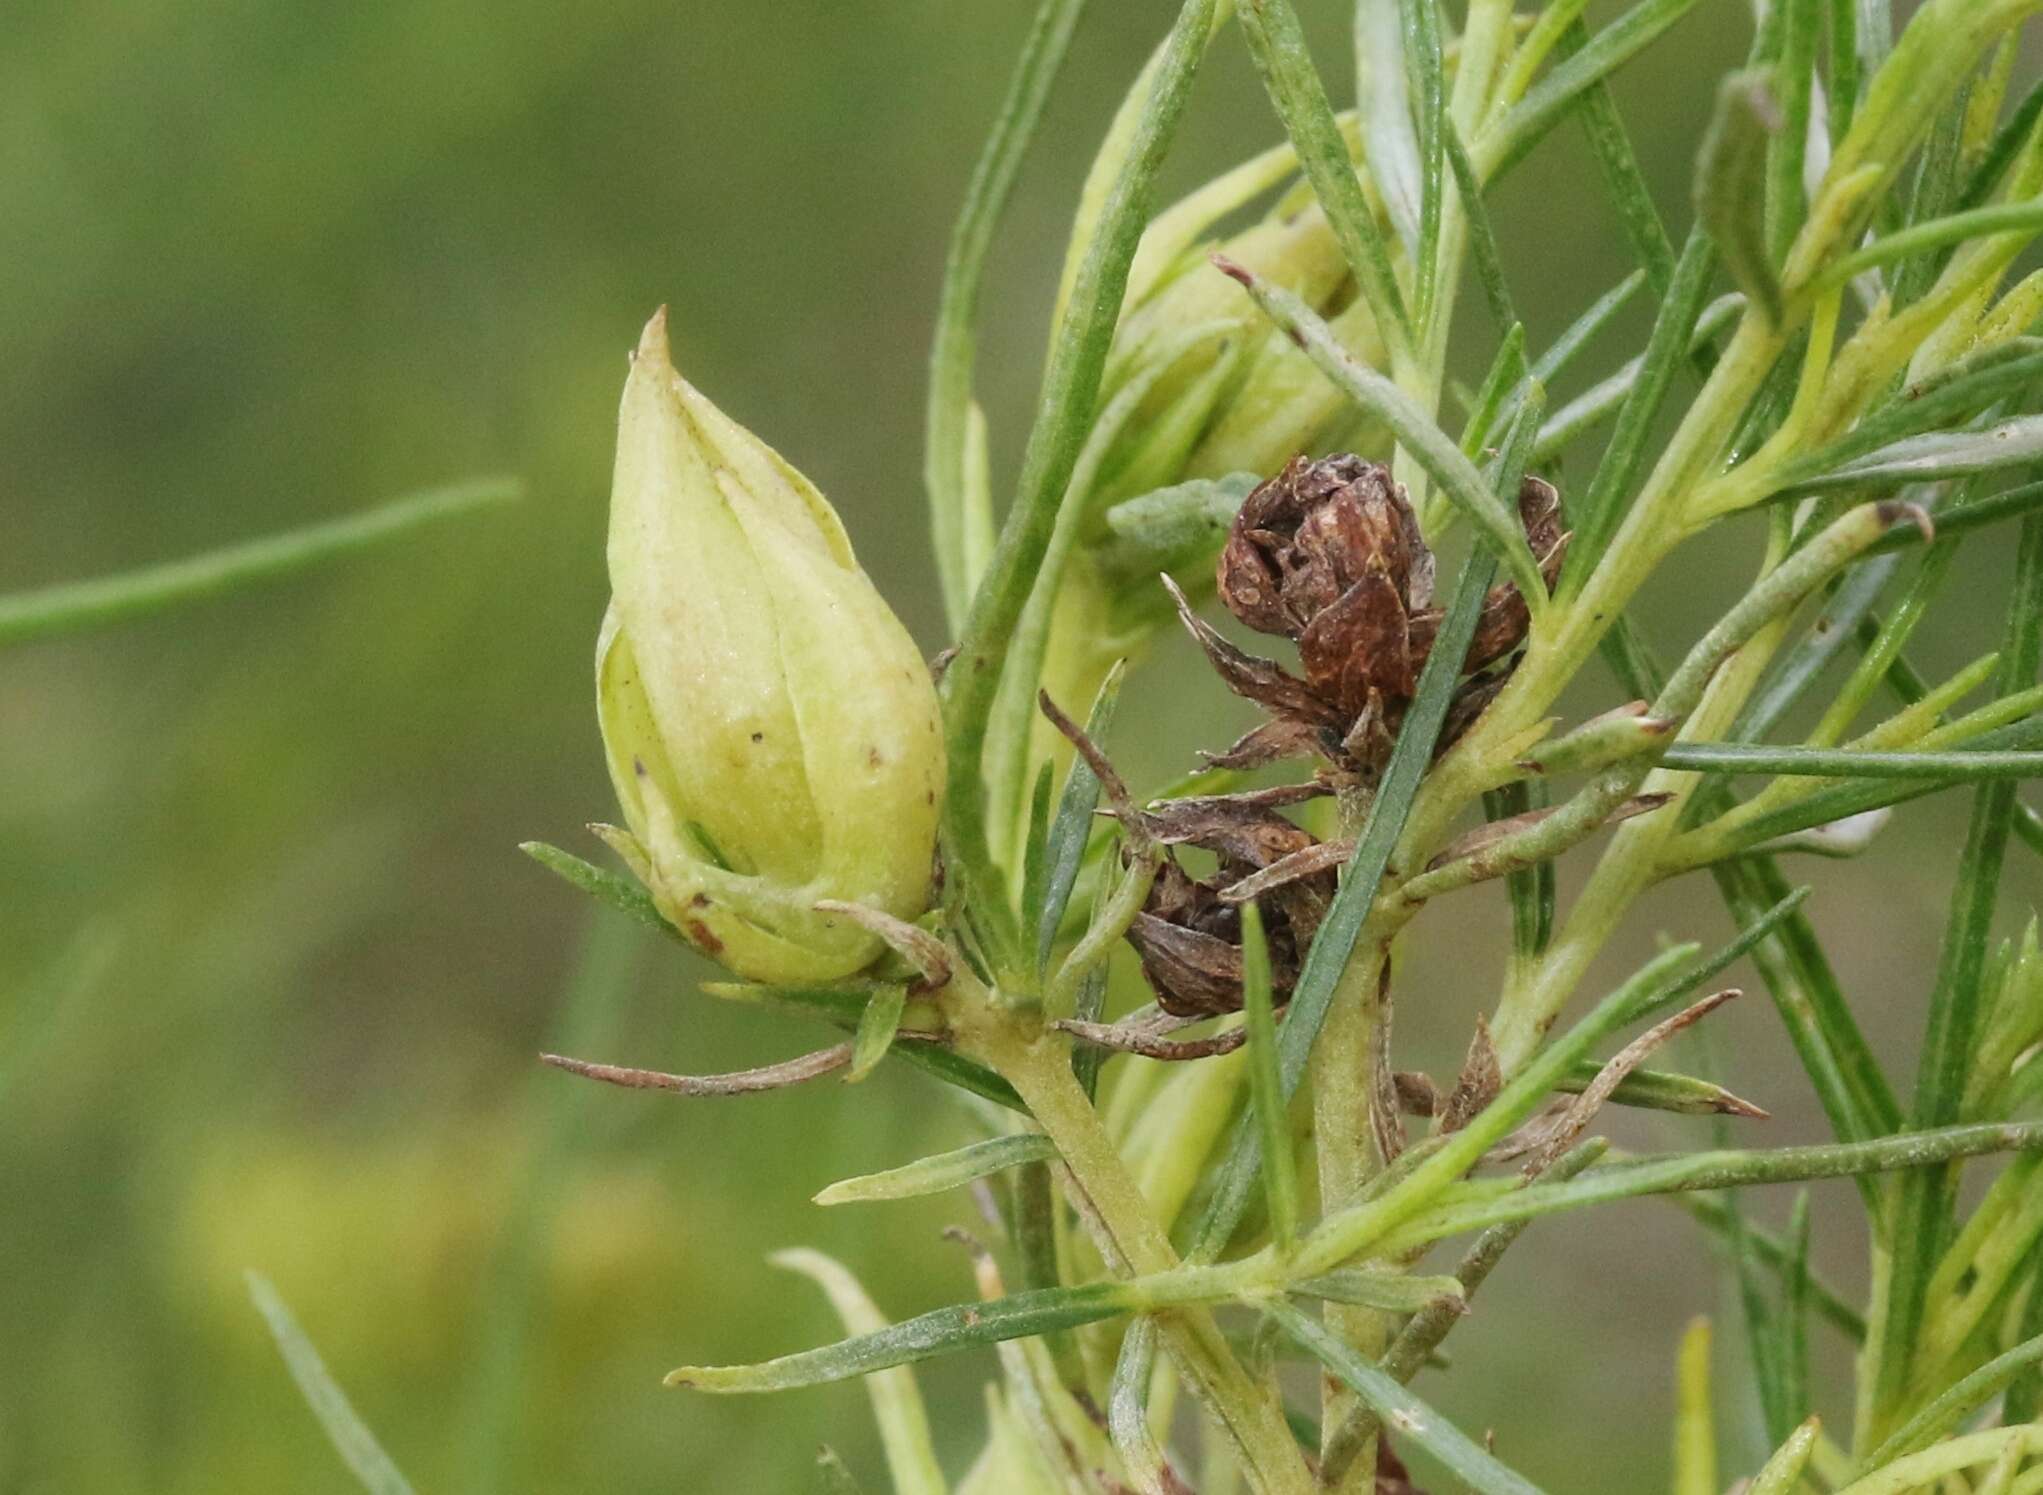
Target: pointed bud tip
[(652, 343)]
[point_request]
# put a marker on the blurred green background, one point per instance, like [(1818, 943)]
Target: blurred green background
[(267, 263)]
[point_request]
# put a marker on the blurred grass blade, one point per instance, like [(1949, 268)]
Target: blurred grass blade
[(946, 1170), (1277, 44), (1064, 848), (350, 1437), (1496, 523), (1695, 1423), (1924, 1206), (1624, 182), (1266, 1082), (2007, 143), (1958, 766), (897, 1402), (1794, 1315), (1731, 183), (1547, 102), (1327, 957), (1420, 1425), (34, 1012), (939, 1332), (877, 1026), (73, 607), (490, 1426), (951, 353), (1070, 390), (1774, 1253)]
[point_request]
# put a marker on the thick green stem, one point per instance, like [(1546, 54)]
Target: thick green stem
[(1039, 1068)]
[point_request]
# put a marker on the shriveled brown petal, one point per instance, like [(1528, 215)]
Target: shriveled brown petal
[(1273, 741), (1310, 861), (1191, 972), (1244, 831), (1360, 642), (1263, 681), (1416, 1092)]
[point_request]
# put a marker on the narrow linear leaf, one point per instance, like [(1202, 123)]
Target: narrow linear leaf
[(620, 893), (1924, 1207), (1734, 1168), (949, 415), (1277, 45), (344, 1428), (1266, 1081), (1070, 388), (1550, 100), (1393, 1292), (1936, 234), (73, 607), (1933, 458), (939, 1332), (1415, 1421), (1955, 767), (877, 1026), (944, 1171), (1958, 1403), (1782, 1474), (1731, 179)]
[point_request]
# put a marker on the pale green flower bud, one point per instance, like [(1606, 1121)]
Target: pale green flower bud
[(771, 728)]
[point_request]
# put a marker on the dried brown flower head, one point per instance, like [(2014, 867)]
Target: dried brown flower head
[(1328, 554)]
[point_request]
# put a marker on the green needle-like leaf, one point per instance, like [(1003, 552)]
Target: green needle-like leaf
[(1956, 767), (1070, 389), (951, 352), (1549, 101), (944, 1171), (1266, 1082), (937, 1333), (1417, 1422), (877, 1026), (1277, 43)]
